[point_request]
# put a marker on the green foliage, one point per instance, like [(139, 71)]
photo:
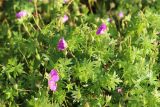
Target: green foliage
[(93, 67)]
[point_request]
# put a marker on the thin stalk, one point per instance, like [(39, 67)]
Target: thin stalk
[(24, 90), (24, 57), (36, 23), (26, 28)]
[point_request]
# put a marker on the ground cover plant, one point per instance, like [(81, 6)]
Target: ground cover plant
[(79, 53)]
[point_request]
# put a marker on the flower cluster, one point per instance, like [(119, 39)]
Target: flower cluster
[(61, 46), (53, 78), (53, 75)]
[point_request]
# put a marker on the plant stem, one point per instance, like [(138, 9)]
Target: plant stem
[(26, 28)]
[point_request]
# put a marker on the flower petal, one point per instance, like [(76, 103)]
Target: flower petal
[(64, 19), (52, 85), (54, 75), (21, 14), (101, 29), (62, 45)]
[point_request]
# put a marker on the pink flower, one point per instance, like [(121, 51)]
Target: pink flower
[(54, 75), (121, 15), (21, 14), (101, 29), (62, 45), (64, 19), (52, 85)]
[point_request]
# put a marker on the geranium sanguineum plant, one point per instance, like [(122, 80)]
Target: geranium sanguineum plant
[(101, 30), (21, 14), (53, 78), (62, 44), (100, 62)]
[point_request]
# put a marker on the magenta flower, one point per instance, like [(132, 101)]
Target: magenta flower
[(101, 29), (120, 14), (64, 19), (21, 14), (52, 85), (54, 75), (62, 45)]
